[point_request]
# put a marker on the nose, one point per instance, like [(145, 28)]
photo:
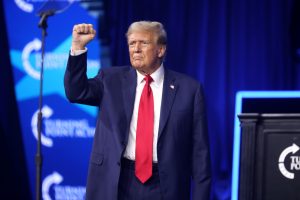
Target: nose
[(137, 47)]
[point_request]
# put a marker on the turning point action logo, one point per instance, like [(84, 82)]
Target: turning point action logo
[(54, 60), (61, 192), (59, 128), (294, 161)]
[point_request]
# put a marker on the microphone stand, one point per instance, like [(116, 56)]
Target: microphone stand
[(38, 157)]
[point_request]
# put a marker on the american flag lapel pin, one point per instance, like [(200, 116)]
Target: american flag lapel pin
[(172, 86)]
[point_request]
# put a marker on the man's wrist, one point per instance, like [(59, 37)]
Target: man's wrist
[(77, 47), (75, 52)]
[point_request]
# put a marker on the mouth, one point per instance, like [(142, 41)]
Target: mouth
[(137, 57)]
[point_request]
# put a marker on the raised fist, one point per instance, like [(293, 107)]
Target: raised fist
[(82, 34)]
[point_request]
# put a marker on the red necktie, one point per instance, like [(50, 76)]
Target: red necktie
[(144, 133)]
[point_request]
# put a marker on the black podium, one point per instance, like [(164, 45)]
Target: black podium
[(269, 156)]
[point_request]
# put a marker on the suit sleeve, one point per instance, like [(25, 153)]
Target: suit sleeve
[(78, 88), (201, 172)]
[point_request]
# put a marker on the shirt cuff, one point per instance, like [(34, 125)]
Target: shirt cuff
[(77, 52)]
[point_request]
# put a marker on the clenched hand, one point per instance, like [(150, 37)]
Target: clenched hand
[(82, 34)]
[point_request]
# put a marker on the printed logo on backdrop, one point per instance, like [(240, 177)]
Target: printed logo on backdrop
[(60, 128), (61, 192), (53, 60), (288, 162), (29, 6), (24, 5), (28, 60), (64, 125)]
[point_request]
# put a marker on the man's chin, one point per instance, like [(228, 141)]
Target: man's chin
[(138, 67)]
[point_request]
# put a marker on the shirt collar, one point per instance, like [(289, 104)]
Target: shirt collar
[(157, 76)]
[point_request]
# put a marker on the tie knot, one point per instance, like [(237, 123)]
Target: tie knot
[(148, 79)]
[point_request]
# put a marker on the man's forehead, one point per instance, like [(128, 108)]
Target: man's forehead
[(140, 35)]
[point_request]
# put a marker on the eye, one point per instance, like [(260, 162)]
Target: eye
[(131, 44), (145, 43)]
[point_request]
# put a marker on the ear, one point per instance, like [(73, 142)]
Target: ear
[(162, 50)]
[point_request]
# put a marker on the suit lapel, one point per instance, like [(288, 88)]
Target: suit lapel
[(128, 89), (168, 94), (169, 91)]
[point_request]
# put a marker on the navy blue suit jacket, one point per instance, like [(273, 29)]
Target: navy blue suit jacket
[(182, 149)]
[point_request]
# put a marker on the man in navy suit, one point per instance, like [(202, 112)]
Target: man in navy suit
[(151, 137)]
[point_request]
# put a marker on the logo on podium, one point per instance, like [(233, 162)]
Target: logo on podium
[(294, 164)]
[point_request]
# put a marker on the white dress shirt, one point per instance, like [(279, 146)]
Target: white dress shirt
[(156, 86)]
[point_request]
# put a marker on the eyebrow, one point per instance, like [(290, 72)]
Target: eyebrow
[(140, 40)]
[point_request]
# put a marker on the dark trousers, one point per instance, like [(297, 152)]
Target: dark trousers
[(130, 188)]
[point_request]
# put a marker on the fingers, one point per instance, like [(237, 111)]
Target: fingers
[(82, 35), (84, 29)]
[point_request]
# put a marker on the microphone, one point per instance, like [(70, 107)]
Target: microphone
[(44, 15)]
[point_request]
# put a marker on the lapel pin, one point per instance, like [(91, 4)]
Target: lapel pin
[(172, 87)]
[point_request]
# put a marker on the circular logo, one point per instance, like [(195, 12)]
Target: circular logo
[(295, 161)]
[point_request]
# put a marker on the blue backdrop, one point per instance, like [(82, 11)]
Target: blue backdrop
[(229, 45), (67, 130)]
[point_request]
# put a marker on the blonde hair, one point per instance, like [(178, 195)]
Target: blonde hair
[(154, 27)]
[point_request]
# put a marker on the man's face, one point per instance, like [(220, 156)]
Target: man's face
[(145, 54)]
